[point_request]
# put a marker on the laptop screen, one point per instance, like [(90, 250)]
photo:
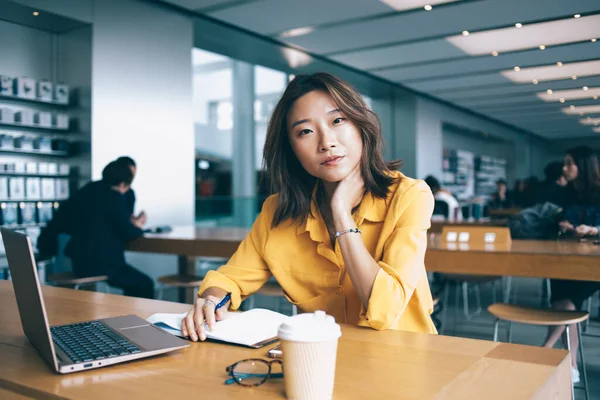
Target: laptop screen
[(32, 310)]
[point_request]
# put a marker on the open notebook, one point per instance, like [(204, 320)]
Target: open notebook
[(255, 328)]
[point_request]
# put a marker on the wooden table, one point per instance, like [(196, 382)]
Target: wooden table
[(437, 226), (370, 364), (528, 258), (504, 212), (189, 242)]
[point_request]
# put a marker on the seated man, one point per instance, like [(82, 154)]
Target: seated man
[(130, 195), (442, 195), (503, 198), (101, 225)]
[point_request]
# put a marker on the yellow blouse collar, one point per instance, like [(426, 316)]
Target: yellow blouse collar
[(371, 208)]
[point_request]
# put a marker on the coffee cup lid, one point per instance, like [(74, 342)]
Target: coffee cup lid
[(310, 327)]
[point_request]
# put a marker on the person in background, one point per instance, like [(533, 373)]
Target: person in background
[(440, 194), (581, 218), (502, 198), (529, 194), (553, 189), (518, 193), (101, 226), (130, 195), (345, 232)]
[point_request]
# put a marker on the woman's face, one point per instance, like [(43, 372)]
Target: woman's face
[(327, 144), (570, 170)]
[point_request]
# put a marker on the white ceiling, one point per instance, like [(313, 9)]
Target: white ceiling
[(427, 50)]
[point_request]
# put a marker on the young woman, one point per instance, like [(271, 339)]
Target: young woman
[(345, 232), (581, 218)]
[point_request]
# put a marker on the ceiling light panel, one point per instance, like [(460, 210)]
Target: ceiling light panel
[(574, 94), (554, 72), (529, 36), (402, 5), (581, 110), (590, 121)]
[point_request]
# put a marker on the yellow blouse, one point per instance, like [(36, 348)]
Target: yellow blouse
[(312, 273)]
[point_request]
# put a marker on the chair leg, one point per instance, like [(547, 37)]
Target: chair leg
[(507, 285), (547, 294), (465, 290), (586, 324), (496, 324), (76, 287), (465, 293), (160, 291), (457, 304), (568, 341), (445, 306), (509, 333), (478, 298), (583, 369)]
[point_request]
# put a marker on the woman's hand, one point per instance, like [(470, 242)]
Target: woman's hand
[(586, 230), (193, 325), (348, 193), (565, 226)]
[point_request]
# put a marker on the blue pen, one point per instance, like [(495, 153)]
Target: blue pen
[(222, 303)]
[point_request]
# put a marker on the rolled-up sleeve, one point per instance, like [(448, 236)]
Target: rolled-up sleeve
[(402, 268), (246, 271)]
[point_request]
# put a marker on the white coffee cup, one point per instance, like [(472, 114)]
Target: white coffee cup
[(309, 344)]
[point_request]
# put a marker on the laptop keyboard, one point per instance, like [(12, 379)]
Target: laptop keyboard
[(89, 341)]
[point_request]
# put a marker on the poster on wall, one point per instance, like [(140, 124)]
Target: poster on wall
[(488, 170), (459, 174)]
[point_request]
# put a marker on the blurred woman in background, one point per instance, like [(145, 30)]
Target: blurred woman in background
[(581, 217)]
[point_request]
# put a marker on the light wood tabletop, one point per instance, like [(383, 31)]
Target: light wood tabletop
[(504, 212), (370, 364), (437, 226), (565, 259)]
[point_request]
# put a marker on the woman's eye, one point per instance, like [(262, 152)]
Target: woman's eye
[(304, 132), (338, 120)]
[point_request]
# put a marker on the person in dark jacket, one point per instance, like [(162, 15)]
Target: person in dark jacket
[(581, 217), (130, 195), (553, 189), (503, 198), (101, 226)]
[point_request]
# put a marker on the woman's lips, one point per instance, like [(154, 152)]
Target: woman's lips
[(333, 161)]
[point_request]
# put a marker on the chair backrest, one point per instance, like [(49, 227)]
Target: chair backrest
[(441, 208), (476, 235)]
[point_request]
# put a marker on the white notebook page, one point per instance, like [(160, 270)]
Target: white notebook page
[(246, 328)]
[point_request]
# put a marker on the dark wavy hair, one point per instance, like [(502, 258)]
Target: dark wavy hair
[(287, 176), (587, 183)]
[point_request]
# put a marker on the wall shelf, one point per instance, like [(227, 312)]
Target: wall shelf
[(32, 200), (25, 175), (32, 101), (36, 225), (35, 152), (36, 127)]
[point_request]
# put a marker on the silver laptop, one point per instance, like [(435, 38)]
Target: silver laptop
[(83, 345)]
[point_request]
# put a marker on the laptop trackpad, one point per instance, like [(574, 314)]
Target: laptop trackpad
[(151, 338)]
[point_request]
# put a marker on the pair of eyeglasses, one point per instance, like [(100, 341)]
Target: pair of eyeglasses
[(253, 372)]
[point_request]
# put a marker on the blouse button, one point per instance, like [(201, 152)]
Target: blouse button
[(340, 290)]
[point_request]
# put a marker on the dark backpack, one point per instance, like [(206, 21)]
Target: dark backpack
[(537, 222)]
